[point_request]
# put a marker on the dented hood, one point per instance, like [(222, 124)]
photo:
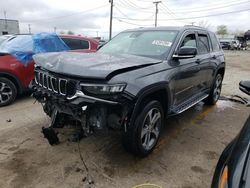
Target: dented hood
[(91, 65)]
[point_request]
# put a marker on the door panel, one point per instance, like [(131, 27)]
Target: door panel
[(187, 80), (187, 77), (204, 56)]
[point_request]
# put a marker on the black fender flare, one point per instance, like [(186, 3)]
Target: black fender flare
[(142, 94), (220, 66)]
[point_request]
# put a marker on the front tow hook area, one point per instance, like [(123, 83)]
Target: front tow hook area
[(50, 134)]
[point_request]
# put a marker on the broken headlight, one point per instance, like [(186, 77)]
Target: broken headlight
[(103, 88)]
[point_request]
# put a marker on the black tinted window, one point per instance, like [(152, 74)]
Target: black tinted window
[(75, 44), (85, 44), (215, 43), (203, 44), (189, 40)]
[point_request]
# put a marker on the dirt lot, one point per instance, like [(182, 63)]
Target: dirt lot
[(185, 157)]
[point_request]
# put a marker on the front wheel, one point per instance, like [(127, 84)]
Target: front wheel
[(215, 92), (8, 92), (142, 137)]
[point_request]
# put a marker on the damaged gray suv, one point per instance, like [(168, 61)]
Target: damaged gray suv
[(132, 83)]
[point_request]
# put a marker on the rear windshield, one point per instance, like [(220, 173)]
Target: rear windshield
[(3, 38), (154, 44)]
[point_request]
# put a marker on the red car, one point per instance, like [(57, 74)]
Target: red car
[(17, 66)]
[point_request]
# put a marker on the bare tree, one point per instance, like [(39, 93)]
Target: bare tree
[(205, 24)]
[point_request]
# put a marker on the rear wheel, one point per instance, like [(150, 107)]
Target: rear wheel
[(142, 137), (215, 92), (8, 92)]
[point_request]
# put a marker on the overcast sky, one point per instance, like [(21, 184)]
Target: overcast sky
[(91, 17)]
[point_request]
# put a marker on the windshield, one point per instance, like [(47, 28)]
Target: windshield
[(19, 43), (154, 44)]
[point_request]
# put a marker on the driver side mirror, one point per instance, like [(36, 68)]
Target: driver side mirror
[(185, 52), (245, 86)]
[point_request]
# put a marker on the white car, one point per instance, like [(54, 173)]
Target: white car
[(4, 37)]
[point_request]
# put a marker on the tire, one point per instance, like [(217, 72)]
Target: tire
[(215, 91), (8, 92), (140, 138)]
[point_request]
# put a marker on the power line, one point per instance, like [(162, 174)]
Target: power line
[(208, 9), (129, 7), (169, 12), (118, 9), (130, 23), (207, 6), (136, 6), (194, 17), (211, 15), (58, 17)]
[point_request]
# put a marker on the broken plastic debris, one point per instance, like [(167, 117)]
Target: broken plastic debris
[(8, 120)]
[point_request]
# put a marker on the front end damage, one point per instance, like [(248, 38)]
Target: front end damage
[(87, 103)]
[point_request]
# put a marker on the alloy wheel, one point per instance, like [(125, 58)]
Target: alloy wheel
[(5, 93), (217, 88), (151, 128)]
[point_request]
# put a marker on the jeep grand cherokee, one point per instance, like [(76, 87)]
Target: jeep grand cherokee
[(133, 82)]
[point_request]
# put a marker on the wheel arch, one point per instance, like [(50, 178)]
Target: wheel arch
[(14, 79), (159, 91), (221, 70)]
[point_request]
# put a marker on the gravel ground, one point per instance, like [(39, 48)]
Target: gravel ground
[(185, 157)]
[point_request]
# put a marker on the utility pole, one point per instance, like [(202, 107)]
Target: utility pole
[(55, 29), (97, 32), (111, 18), (29, 28), (5, 20), (156, 11)]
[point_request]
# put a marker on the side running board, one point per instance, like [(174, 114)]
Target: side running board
[(188, 104)]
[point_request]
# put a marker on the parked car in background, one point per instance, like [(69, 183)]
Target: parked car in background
[(17, 65), (235, 44), (132, 83), (230, 44), (4, 37), (233, 167), (80, 44), (225, 45)]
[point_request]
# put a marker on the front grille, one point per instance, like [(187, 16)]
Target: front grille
[(52, 83)]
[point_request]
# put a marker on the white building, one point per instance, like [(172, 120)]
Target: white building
[(9, 26)]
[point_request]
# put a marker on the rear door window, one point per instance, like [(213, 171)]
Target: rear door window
[(203, 44), (85, 44)]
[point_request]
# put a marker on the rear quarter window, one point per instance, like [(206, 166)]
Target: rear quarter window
[(76, 44), (215, 42), (203, 43)]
